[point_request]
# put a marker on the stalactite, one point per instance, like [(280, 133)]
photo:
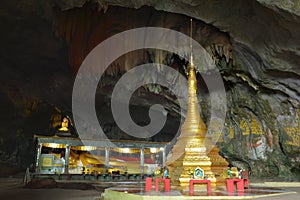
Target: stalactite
[(86, 27)]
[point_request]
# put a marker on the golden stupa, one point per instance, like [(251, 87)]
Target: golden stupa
[(194, 147)]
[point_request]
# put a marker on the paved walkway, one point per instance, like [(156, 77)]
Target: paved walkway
[(291, 186), (285, 196), (11, 189)]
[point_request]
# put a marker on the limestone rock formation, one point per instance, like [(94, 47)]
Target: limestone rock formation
[(255, 45)]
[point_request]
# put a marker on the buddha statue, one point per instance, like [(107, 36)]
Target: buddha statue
[(64, 125)]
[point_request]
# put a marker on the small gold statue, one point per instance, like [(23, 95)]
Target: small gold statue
[(64, 125)]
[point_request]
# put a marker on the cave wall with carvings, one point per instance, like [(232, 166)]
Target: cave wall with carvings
[(255, 45)]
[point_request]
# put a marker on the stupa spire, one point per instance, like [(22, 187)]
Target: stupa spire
[(194, 148), (193, 124), (191, 44)]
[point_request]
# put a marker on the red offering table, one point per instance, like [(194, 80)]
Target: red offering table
[(192, 181), (167, 184), (148, 184), (239, 184), (246, 183)]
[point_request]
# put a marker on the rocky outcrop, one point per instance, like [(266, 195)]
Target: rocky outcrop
[(255, 45)]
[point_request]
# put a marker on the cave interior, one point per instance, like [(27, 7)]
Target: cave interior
[(253, 44)]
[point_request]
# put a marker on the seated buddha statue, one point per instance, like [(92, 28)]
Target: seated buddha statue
[(64, 125)]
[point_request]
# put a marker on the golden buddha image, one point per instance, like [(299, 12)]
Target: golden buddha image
[(64, 125)]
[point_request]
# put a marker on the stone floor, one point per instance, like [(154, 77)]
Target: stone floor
[(11, 188), (260, 192)]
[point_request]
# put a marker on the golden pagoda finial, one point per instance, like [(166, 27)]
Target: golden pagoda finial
[(191, 44), (192, 80)]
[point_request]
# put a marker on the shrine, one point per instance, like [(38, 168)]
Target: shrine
[(194, 147), (66, 155)]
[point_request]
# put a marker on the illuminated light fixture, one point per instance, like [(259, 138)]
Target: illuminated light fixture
[(153, 150), (84, 148), (54, 145), (161, 148), (89, 148), (126, 150)]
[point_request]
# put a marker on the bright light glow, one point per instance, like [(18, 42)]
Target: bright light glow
[(84, 148), (126, 150), (89, 148), (153, 150), (54, 145)]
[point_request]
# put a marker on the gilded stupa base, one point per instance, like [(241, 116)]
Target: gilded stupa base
[(213, 165), (193, 152)]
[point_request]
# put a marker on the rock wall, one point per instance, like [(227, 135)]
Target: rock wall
[(255, 47)]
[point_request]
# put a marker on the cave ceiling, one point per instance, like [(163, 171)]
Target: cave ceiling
[(254, 44)]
